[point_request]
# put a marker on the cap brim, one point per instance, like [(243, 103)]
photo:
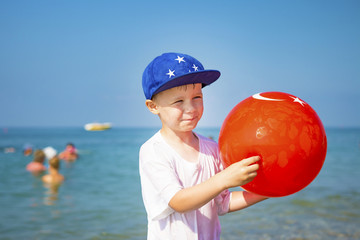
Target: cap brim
[(206, 77)]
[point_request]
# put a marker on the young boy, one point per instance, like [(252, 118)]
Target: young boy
[(54, 177), (184, 186), (70, 153), (37, 165)]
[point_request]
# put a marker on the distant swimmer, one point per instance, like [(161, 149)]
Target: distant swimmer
[(28, 149), (70, 153), (9, 150), (50, 152), (37, 165), (53, 177), (52, 181)]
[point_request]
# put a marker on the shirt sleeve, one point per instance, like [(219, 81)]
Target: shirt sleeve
[(159, 180), (222, 202)]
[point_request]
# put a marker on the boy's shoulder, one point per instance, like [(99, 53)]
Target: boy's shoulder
[(209, 139), (35, 166), (154, 139)]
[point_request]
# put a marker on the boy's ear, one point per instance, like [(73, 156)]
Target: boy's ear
[(151, 105)]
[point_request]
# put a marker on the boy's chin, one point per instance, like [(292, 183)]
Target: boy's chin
[(188, 127)]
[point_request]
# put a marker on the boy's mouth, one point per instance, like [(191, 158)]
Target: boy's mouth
[(190, 119)]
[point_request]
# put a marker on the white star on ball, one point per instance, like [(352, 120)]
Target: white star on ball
[(298, 101), (171, 73), (180, 59)]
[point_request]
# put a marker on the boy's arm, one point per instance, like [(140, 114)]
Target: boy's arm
[(241, 199), (197, 196)]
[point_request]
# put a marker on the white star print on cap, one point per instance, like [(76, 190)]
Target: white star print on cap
[(175, 69)]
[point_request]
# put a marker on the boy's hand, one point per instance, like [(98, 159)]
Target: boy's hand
[(240, 173), (237, 174)]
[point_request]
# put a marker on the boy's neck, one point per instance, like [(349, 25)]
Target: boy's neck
[(186, 144), (53, 171), (181, 137)]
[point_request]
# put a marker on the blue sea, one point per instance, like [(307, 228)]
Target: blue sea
[(101, 195)]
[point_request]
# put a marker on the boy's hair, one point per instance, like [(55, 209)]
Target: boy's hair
[(172, 70), (39, 156), (55, 163)]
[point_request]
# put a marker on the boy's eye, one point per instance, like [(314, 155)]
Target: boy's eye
[(177, 101)]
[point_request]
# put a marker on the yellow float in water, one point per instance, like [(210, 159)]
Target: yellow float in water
[(97, 126)]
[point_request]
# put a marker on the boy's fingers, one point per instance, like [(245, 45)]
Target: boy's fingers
[(253, 174), (253, 167), (250, 160)]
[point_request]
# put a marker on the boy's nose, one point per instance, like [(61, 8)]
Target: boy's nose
[(189, 107)]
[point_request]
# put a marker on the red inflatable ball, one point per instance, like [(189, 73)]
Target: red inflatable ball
[(285, 132)]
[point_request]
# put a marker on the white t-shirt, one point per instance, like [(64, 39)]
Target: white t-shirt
[(163, 173)]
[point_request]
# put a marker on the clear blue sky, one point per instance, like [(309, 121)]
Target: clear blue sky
[(67, 63)]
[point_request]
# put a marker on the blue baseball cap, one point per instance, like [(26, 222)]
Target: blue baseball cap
[(172, 70)]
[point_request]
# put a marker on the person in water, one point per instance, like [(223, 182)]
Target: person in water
[(70, 153), (28, 150), (52, 181), (53, 177), (37, 165)]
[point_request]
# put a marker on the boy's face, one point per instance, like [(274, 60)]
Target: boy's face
[(179, 108)]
